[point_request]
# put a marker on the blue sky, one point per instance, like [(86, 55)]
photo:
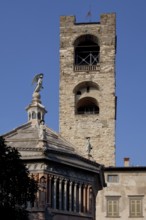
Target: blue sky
[(29, 44)]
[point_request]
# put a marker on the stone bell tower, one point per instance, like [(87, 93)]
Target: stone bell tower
[(87, 86)]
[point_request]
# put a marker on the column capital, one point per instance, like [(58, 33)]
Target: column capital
[(50, 176), (70, 183), (85, 185), (65, 181), (55, 178), (75, 183)]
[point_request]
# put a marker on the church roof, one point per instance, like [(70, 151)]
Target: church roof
[(53, 147), (27, 137)]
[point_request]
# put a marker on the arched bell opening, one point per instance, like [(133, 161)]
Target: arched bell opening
[(87, 105), (86, 51)]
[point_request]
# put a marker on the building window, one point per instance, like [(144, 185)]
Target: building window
[(87, 105), (33, 115), (113, 206), (135, 206), (29, 116), (39, 115), (113, 178), (86, 50), (85, 102)]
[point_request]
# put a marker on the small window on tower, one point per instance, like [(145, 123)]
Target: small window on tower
[(39, 115), (87, 105), (33, 115)]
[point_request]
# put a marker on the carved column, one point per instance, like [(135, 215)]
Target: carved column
[(85, 198), (36, 177), (49, 190), (88, 198), (70, 196), (60, 193), (65, 195), (54, 195), (42, 191), (75, 197), (80, 197)]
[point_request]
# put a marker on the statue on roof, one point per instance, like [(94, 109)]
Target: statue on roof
[(38, 79), (42, 130), (88, 146)]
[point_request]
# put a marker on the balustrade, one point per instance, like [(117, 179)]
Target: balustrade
[(79, 68)]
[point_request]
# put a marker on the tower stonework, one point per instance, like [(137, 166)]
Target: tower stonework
[(87, 86)]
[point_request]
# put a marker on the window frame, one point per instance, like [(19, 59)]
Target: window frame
[(133, 204), (112, 202), (112, 178)]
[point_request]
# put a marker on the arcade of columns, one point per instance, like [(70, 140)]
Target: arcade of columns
[(64, 194)]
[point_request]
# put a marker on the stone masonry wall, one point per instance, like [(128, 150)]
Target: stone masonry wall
[(100, 128)]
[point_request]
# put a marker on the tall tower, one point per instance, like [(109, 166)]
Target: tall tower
[(87, 86)]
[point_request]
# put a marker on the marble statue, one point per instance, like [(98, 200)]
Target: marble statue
[(38, 79)]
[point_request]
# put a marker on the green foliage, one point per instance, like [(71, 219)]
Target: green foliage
[(16, 185)]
